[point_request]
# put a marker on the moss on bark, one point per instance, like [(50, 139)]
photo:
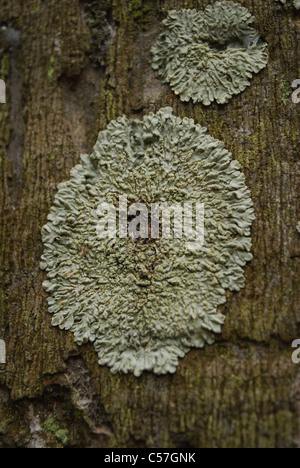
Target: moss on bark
[(242, 392)]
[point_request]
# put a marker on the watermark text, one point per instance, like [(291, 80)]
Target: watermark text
[(2, 352), (2, 92), (153, 221), (295, 98)]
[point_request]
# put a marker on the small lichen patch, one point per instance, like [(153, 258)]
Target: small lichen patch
[(145, 302), (209, 55), (51, 425), (62, 436), (296, 3), (298, 227)]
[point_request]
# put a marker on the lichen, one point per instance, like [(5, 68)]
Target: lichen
[(145, 303), (209, 55), (62, 436), (51, 425), (298, 227), (296, 3)]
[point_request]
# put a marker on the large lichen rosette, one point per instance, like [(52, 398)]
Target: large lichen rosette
[(145, 302), (209, 55)]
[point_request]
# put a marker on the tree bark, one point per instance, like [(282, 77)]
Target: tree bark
[(70, 67)]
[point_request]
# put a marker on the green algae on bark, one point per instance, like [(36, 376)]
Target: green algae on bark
[(209, 55)]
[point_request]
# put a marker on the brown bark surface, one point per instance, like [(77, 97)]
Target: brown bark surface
[(70, 67)]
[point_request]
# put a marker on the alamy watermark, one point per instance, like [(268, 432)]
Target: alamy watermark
[(2, 92), (2, 352), (296, 354), (153, 221), (295, 98)]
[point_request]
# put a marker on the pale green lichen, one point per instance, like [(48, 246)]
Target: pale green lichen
[(209, 55), (145, 303), (51, 425), (298, 227), (296, 3)]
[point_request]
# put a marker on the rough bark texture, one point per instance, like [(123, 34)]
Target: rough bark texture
[(70, 67)]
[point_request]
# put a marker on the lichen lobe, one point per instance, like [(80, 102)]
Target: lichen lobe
[(296, 3), (145, 304), (209, 55)]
